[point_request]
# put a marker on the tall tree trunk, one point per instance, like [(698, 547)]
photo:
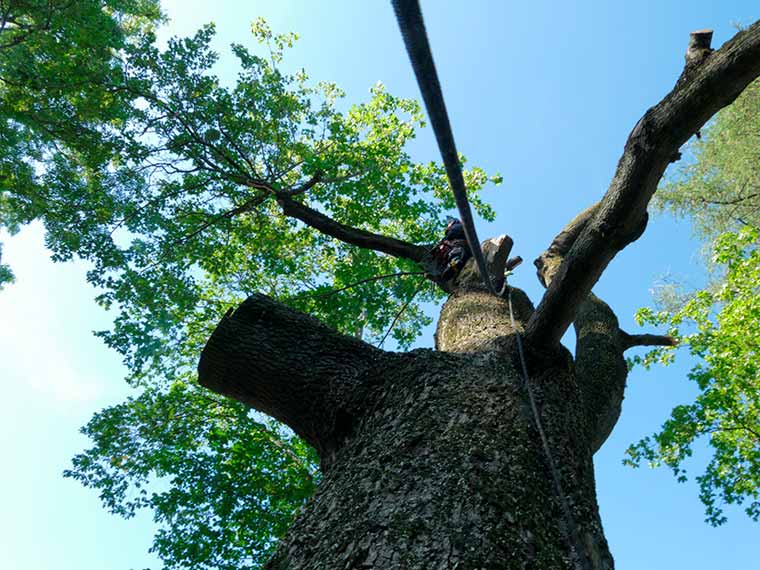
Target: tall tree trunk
[(431, 458), (434, 459)]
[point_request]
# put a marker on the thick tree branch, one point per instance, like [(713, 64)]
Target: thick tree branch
[(351, 235), (292, 367), (600, 367), (306, 186), (328, 226), (709, 82), (631, 340)]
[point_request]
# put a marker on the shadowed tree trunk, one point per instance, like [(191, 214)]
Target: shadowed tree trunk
[(433, 458)]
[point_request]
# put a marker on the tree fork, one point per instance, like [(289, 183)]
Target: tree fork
[(710, 81), (600, 366), (431, 457)]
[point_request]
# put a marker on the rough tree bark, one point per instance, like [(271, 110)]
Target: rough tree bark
[(431, 458)]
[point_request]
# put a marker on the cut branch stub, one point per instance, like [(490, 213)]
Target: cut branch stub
[(699, 46), (706, 85), (292, 367), (496, 253)]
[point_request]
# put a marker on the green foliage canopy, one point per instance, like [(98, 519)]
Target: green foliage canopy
[(222, 484), (58, 62), (193, 218), (188, 194), (720, 193)]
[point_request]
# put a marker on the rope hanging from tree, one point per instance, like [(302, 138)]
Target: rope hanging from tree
[(412, 27)]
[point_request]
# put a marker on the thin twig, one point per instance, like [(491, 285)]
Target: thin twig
[(368, 280)]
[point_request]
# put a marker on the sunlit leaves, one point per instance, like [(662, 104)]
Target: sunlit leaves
[(59, 61), (720, 327), (167, 181), (719, 191), (195, 210), (223, 484)]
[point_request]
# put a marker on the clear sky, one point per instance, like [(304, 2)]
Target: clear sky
[(544, 92)]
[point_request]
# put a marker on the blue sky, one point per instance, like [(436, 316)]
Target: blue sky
[(543, 92)]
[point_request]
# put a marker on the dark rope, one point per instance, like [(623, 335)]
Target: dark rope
[(412, 27), (571, 530), (401, 312)]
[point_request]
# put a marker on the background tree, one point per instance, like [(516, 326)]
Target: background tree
[(59, 65), (720, 193), (215, 197)]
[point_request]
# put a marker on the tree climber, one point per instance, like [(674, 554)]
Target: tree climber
[(452, 252)]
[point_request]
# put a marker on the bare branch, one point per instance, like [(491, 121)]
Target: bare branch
[(708, 83), (631, 340), (351, 235)]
